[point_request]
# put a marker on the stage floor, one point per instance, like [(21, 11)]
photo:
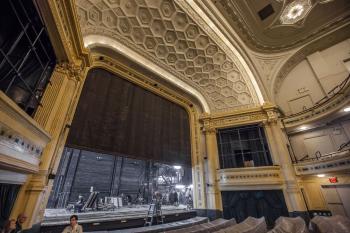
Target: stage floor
[(129, 216)]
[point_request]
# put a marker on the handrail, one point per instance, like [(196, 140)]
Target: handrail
[(304, 158), (335, 91), (319, 156), (342, 146)]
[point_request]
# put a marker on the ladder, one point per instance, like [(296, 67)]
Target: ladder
[(154, 212)]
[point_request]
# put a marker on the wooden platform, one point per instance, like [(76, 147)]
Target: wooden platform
[(123, 218)]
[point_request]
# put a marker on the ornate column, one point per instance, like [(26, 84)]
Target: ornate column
[(55, 113), (278, 143), (214, 201)]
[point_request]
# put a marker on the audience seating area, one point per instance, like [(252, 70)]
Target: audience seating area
[(213, 226), (334, 224)]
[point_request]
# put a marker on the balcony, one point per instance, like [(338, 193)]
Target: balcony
[(249, 178), (332, 162), (21, 138)]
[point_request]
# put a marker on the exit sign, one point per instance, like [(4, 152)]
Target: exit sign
[(333, 179)]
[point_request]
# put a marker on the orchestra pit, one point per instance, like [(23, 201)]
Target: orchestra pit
[(130, 116)]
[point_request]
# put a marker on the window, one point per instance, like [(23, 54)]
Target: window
[(243, 147), (26, 56)]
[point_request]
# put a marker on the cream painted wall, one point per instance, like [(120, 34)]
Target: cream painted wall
[(326, 139), (313, 78)]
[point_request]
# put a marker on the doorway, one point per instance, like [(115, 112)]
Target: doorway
[(337, 198)]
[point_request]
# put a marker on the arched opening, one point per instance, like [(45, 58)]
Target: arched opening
[(125, 143)]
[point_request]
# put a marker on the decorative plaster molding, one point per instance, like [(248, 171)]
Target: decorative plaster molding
[(324, 42), (239, 23), (22, 140), (15, 119), (266, 113), (166, 36), (334, 104), (249, 176), (336, 163)]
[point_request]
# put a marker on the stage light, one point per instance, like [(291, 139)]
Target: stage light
[(190, 186), (180, 186), (347, 109), (321, 175), (177, 167)]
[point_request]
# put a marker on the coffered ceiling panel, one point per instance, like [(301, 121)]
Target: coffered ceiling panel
[(279, 25), (162, 32)]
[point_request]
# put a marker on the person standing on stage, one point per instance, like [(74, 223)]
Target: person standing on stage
[(74, 227)]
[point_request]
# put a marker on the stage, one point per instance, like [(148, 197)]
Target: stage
[(125, 217)]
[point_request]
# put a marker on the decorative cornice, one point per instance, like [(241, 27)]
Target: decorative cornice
[(266, 113), (62, 23)]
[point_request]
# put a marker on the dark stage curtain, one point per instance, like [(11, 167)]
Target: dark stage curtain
[(115, 116), (8, 195), (241, 204)]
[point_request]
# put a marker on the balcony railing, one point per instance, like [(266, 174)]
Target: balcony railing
[(331, 162)]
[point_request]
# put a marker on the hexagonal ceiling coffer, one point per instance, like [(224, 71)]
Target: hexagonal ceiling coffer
[(160, 30)]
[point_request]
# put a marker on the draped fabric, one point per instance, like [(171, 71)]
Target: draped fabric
[(241, 204), (115, 116), (8, 195)]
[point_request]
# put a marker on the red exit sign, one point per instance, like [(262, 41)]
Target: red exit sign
[(333, 179)]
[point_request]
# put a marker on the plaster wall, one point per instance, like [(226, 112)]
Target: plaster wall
[(325, 139), (313, 78)]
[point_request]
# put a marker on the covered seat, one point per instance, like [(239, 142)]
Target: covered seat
[(250, 225), (209, 227), (334, 224), (290, 225)]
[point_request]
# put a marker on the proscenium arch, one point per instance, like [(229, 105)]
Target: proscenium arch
[(192, 109), (104, 41)]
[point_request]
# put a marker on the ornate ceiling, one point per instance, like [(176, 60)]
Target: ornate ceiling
[(163, 33), (290, 23)]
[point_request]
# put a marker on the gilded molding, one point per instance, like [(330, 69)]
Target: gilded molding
[(249, 176), (266, 113)]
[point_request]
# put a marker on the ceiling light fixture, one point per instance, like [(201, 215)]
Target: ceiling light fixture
[(303, 128), (347, 109), (295, 11), (177, 167), (321, 175)]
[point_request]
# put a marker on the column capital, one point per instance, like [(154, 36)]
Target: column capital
[(210, 130), (73, 71)]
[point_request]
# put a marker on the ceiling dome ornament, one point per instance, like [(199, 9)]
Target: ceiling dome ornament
[(295, 11)]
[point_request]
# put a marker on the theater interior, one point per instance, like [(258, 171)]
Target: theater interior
[(175, 116)]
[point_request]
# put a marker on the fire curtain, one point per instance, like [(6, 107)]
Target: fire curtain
[(115, 116)]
